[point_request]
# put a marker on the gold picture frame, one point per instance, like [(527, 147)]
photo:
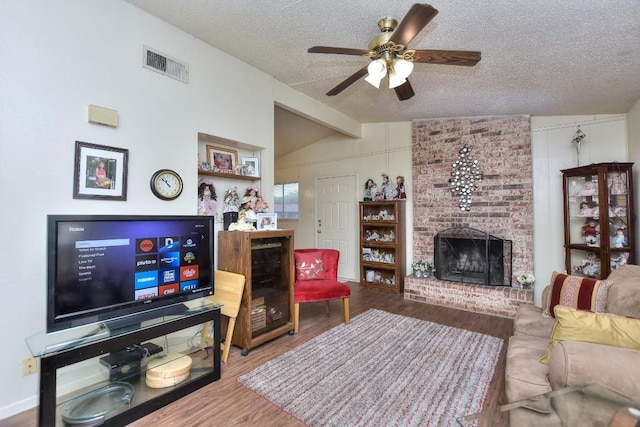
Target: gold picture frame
[(222, 159)]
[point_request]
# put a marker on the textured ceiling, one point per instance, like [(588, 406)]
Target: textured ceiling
[(539, 57)]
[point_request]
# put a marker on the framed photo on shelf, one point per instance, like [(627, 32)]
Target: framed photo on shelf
[(222, 159), (267, 221), (100, 172), (251, 165)]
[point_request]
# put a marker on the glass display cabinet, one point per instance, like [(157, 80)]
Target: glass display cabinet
[(598, 218), (382, 245)]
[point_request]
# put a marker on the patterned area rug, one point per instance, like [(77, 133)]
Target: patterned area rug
[(382, 370)]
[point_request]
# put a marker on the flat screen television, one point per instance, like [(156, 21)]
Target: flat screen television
[(109, 267)]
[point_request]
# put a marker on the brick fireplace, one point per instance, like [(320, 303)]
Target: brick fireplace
[(502, 206)]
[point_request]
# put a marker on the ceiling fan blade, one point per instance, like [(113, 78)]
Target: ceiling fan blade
[(348, 82), (466, 58), (404, 91), (414, 21), (337, 50)]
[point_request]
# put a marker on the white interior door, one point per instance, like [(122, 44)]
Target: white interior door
[(335, 220)]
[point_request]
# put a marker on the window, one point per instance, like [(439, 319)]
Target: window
[(285, 199)]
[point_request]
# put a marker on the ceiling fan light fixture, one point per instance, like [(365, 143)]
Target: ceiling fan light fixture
[(377, 70), (395, 80), (403, 67)]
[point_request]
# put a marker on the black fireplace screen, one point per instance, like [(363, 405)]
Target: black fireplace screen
[(467, 255)]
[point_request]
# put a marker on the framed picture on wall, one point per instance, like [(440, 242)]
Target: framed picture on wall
[(251, 165), (100, 172), (222, 159), (267, 221)]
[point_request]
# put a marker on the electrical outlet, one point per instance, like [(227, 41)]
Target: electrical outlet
[(29, 366)]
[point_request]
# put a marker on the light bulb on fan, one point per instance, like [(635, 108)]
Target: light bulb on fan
[(377, 70)]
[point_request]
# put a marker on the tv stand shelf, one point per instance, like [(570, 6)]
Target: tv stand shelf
[(70, 365)]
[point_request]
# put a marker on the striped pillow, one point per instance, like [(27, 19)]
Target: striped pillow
[(582, 293)]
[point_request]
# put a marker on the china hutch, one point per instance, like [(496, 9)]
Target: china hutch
[(599, 231)]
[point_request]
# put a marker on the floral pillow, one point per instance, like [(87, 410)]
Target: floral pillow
[(309, 266)]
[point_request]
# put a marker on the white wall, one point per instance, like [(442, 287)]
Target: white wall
[(59, 57)]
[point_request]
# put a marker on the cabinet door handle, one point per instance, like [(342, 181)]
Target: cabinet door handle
[(319, 231)]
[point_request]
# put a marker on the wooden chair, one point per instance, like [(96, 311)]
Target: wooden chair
[(317, 280), (228, 290)]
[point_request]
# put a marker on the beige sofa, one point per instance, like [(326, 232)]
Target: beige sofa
[(571, 362)]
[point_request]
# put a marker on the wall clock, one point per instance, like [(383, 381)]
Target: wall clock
[(166, 184)]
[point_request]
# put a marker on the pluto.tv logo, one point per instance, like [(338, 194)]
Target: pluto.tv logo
[(146, 245)]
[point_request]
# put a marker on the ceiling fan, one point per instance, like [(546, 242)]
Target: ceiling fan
[(390, 57)]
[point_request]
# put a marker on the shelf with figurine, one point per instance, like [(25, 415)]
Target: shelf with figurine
[(378, 277), (378, 255), (379, 235), (223, 158), (382, 235), (227, 174)]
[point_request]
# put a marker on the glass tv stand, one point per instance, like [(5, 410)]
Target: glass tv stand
[(93, 375)]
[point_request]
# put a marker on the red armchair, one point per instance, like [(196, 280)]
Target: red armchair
[(317, 280)]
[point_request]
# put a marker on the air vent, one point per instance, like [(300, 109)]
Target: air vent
[(163, 64)]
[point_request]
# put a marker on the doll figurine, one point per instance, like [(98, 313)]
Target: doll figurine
[(617, 183), (400, 191), (231, 200), (252, 193), (586, 209), (369, 190), (245, 210), (590, 232), (589, 188), (619, 240), (389, 191), (206, 198)]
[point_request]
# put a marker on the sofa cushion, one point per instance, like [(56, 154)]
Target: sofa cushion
[(309, 266), (577, 292), (598, 328), (624, 294), (525, 376), (574, 363), (530, 322)]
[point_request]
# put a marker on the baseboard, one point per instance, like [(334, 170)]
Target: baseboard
[(17, 407)]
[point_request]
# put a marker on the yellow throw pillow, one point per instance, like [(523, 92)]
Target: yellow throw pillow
[(597, 328)]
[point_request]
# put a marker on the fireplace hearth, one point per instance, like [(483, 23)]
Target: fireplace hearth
[(468, 255)]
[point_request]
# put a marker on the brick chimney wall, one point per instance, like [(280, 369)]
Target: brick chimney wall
[(503, 204)]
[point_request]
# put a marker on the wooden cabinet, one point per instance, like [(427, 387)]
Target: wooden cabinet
[(598, 218), (266, 260), (382, 245)]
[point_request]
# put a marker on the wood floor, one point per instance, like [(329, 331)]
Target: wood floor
[(227, 403)]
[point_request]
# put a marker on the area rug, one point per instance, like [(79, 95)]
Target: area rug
[(383, 369)]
